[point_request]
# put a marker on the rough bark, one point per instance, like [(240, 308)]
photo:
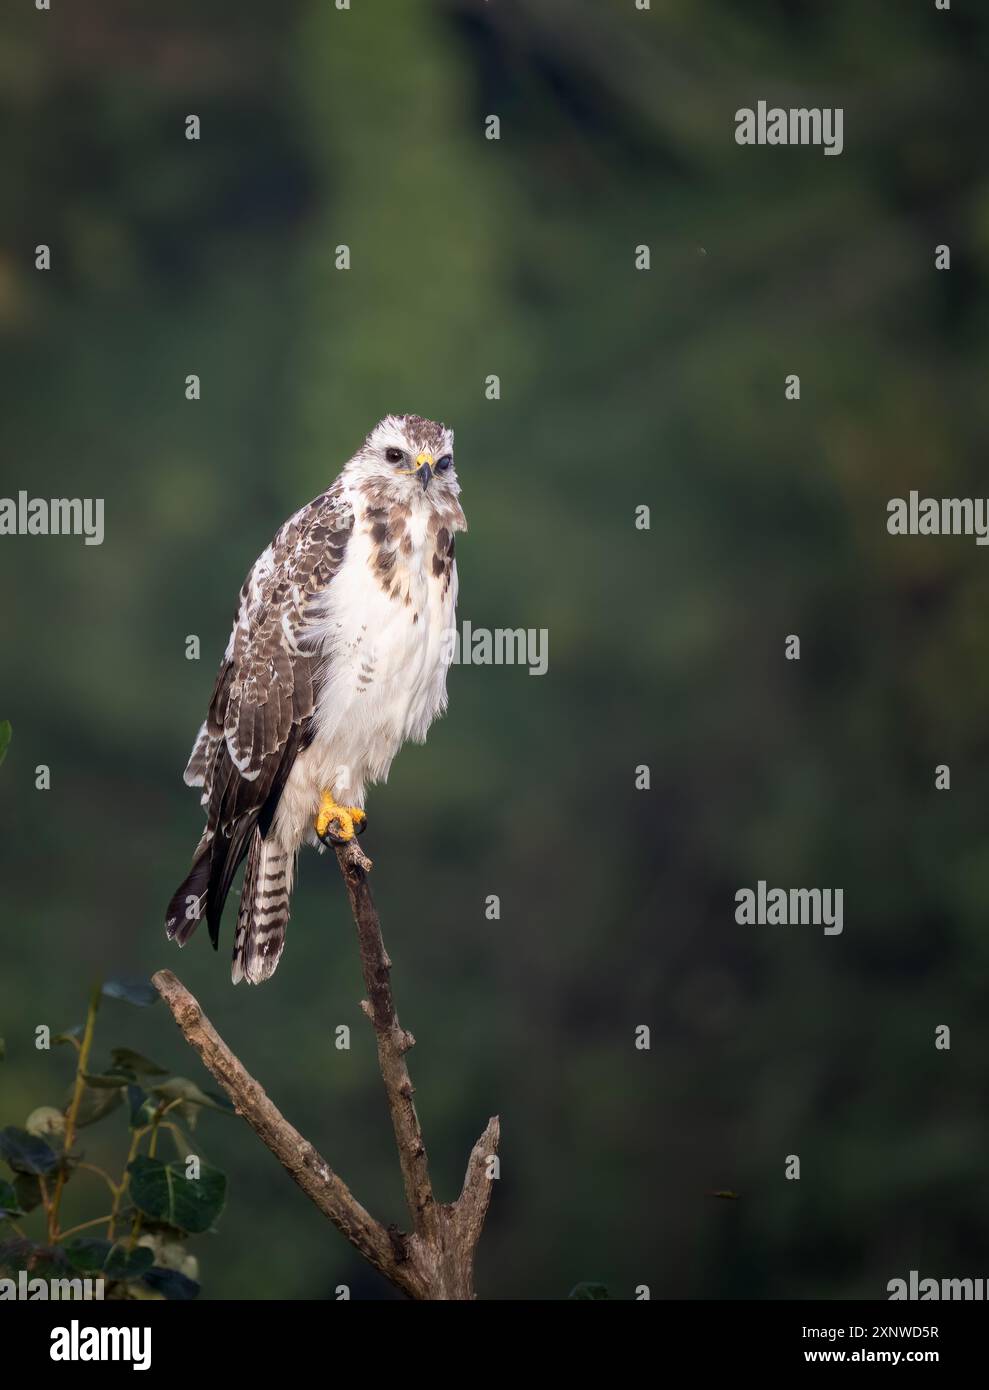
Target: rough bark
[(435, 1260)]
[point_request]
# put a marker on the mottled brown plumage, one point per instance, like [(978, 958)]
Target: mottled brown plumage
[(332, 662), (262, 704)]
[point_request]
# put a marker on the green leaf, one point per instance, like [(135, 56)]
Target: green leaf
[(40, 1261), (596, 1291), (181, 1088), (138, 992), (26, 1153), (70, 1035), (106, 1080), (47, 1262), (112, 1258), (164, 1193), (17, 1254), (149, 1226), (126, 1060), (27, 1190), (183, 1144), (97, 1102), (9, 1204), (140, 1105), (171, 1283), (6, 734)]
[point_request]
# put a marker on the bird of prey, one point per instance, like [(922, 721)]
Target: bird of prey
[(338, 654)]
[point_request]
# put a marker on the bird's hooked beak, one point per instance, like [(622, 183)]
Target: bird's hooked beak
[(424, 467)]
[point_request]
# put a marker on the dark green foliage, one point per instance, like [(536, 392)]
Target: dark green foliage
[(166, 1195), (170, 1283), (9, 1201), (155, 1206), (26, 1153), (112, 1259)]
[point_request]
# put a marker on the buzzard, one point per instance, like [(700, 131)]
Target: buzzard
[(338, 655)]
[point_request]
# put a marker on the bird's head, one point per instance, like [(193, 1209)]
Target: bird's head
[(410, 456)]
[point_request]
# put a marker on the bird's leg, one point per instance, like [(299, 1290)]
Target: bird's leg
[(336, 825)]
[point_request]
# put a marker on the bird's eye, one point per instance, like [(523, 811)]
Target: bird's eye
[(394, 455), (443, 464)]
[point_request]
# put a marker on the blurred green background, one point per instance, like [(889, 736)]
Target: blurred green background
[(619, 388)]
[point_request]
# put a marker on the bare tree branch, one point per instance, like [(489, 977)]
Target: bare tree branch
[(435, 1261), (393, 1042), (296, 1155)]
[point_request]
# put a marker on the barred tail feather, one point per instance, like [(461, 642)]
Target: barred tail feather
[(264, 910)]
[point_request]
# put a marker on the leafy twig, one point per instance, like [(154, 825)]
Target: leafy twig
[(92, 1168), (82, 1066), (84, 1226)]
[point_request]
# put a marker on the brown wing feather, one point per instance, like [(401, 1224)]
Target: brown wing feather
[(265, 693)]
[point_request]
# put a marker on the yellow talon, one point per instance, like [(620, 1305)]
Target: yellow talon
[(350, 820)]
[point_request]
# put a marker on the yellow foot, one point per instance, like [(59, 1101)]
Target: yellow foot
[(337, 825)]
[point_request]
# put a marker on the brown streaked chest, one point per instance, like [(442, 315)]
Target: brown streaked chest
[(411, 550)]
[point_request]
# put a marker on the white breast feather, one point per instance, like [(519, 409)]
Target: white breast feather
[(386, 674)]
